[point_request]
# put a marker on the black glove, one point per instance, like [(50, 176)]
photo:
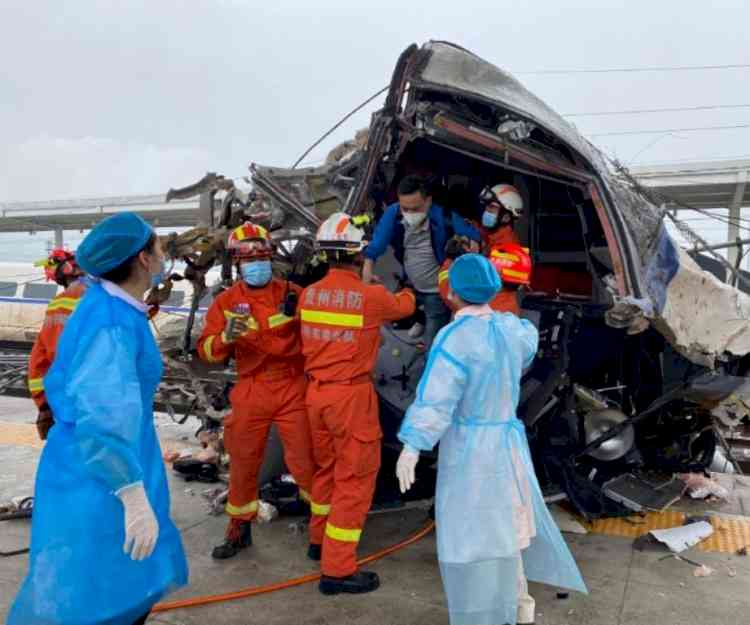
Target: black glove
[(44, 421), (454, 248)]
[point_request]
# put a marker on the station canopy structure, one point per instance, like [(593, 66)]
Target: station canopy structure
[(701, 185), (84, 213)]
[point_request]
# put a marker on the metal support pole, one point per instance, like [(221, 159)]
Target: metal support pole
[(58, 236), (740, 254), (734, 219)]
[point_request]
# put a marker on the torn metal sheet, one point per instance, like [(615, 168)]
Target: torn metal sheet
[(678, 539), (701, 316)]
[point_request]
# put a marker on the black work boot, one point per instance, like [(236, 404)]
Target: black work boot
[(315, 552), (359, 583), (239, 535)]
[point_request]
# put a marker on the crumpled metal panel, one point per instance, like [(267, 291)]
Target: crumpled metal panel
[(451, 67), (702, 317)]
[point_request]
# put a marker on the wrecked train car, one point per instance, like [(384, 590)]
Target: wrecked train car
[(642, 355), (640, 349)]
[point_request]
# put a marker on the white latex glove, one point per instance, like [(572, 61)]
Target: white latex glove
[(405, 467), (141, 526)]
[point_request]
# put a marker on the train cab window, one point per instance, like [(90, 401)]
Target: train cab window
[(175, 298), (39, 291), (8, 289)]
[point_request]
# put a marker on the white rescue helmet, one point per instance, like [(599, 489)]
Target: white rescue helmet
[(343, 233), (504, 194)]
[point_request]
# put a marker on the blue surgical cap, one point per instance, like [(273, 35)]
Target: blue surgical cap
[(112, 242), (474, 279)]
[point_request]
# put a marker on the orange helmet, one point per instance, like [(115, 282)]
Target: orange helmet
[(250, 242), (512, 262), (60, 266)]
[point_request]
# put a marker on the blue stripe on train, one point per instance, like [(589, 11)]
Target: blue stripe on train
[(45, 302)]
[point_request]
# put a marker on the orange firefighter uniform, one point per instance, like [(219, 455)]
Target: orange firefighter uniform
[(507, 299), (270, 389), (341, 318), (43, 351)]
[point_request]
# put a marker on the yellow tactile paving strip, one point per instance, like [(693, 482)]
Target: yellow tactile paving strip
[(730, 534), (19, 434)]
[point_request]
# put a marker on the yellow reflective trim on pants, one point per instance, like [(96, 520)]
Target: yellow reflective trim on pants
[(321, 509), (442, 276), (278, 320), (343, 535), (36, 385), (333, 319), (246, 509)]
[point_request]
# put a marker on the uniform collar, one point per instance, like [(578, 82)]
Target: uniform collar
[(119, 293), (475, 310)]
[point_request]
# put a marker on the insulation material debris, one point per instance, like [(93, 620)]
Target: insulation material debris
[(701, 487)]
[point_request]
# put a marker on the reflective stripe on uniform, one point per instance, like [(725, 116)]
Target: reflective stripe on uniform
[(249, 508), (321, 509), (521, 275), (304, 495), (63, 303), (36, 385), (333, 319), (443, 276), (274, 321), (343, 535), (208, 349)]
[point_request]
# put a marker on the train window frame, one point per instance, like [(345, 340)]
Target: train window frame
[(32, 290), (5, 286)]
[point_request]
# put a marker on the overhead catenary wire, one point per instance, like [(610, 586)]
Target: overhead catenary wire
[(674, 109), (339, 124), (614, 70), (622, 133), (708, 159)]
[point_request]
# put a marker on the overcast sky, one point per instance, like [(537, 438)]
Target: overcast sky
[(134, 97)]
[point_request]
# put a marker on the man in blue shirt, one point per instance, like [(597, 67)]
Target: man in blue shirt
[(418, 231)]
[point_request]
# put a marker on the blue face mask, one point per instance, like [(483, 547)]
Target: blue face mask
[(158, 278), (489, 220), (257, 273)]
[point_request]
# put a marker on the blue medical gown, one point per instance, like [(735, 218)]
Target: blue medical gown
[(101, 390), (467, 400)]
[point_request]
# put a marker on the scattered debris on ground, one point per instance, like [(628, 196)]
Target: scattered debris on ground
[(700, 486), (678, 539), (703, 571)]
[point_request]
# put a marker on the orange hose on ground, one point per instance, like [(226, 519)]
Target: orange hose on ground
[(290, 583)]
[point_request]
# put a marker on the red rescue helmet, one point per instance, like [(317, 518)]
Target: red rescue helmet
[(512, 262), (250, 242), (60, 266)]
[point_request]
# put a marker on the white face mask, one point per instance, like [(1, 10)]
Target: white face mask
[(414, 219)]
